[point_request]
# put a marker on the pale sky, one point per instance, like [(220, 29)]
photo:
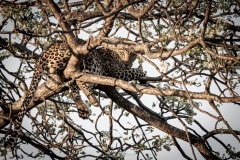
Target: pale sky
[(229, 111)]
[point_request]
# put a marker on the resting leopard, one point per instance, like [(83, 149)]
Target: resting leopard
[(99, 61)]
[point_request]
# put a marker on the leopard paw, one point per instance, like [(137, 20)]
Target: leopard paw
[(83, 113)]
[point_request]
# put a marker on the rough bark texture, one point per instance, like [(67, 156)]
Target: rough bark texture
[(189, 50)]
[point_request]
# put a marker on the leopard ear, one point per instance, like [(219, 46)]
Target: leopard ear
[(124, 56)]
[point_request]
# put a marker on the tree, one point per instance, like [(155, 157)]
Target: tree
[(189, 50)]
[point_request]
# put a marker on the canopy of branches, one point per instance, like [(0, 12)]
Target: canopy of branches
[(189, 49)]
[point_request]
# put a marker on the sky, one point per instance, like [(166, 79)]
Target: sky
[(230, 113)]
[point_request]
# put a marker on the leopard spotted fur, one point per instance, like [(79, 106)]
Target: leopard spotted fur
[(99, 61)]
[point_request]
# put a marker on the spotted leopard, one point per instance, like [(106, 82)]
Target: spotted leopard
[(99, 61)]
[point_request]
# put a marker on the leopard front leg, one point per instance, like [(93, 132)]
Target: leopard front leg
[(81, 106), (87, 90)]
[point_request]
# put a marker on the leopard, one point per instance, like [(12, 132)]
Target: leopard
[(100, 61)]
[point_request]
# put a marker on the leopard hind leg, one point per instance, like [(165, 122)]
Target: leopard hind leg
[(127, 74)]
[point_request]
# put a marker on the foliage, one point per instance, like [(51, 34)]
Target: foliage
[(188, 49)]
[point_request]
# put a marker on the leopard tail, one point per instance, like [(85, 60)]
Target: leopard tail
[(12, 140)]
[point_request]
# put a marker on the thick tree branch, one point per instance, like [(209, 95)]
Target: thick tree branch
[(158, 123)]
